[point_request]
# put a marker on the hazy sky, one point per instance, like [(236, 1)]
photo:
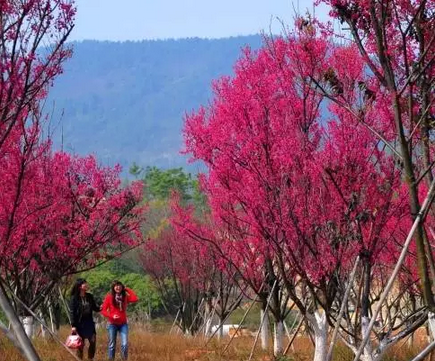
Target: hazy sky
[(157, 19)]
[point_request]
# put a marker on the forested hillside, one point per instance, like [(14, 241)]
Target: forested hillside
[(124, 101)]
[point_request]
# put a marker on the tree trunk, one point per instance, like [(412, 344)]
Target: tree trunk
[(43, 331), (264, 333), (365, 307), (431, 329), (52, 323), (320, 327), (278, 336), (27, 322), (28, 325), (9, 334), (25, 343), (422, 262), (208, 317), (220, 331), (406, 153), (207, 328), (410, 342), (431, 322), (368, 350)]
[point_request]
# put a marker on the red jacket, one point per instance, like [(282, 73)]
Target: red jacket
[(109, 310)]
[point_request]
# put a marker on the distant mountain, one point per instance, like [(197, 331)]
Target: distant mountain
[(125, 101)]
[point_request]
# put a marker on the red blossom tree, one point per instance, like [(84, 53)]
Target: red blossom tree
[(33, 36), (307, 194), (396, 42), (64, 215), (244, 139), (225, 285), (179, 265)]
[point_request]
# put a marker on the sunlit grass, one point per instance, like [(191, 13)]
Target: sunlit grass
[(146, 346)]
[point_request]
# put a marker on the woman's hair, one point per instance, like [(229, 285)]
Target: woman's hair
[(75, 291), (112, 289)]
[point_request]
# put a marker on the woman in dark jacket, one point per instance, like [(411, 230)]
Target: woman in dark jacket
[(82, 306)]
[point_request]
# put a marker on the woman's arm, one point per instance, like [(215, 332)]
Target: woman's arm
[(131, 295)]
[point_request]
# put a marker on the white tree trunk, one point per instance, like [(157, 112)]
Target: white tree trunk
[(21, 337), (209, 316), (221, 331), (431, 322), (43, 331), (278, 336), (207, 328), (28, 325), (264, 333), (10, 335), (50, 311), (320, 327), (368, 349)]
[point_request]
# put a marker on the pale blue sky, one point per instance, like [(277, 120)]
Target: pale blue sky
[(157, 19)]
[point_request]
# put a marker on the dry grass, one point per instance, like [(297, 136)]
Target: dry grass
[(145, 346)]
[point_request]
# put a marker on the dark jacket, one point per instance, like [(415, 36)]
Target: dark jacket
[(81, 309)]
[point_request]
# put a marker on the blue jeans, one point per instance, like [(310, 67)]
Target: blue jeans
[(123, 331)]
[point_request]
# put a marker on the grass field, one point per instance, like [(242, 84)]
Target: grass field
[(145, 346)]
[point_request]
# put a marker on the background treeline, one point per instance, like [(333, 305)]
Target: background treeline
[(125, 101)]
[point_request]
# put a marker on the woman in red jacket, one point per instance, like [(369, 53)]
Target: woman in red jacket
[(114, 309)]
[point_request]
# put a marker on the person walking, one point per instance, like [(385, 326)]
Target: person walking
[(82, 306), (114, 308)]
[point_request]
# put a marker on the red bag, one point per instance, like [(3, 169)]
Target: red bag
[(74, 342)]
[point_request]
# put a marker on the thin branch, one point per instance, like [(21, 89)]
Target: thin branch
[(419, 218)]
